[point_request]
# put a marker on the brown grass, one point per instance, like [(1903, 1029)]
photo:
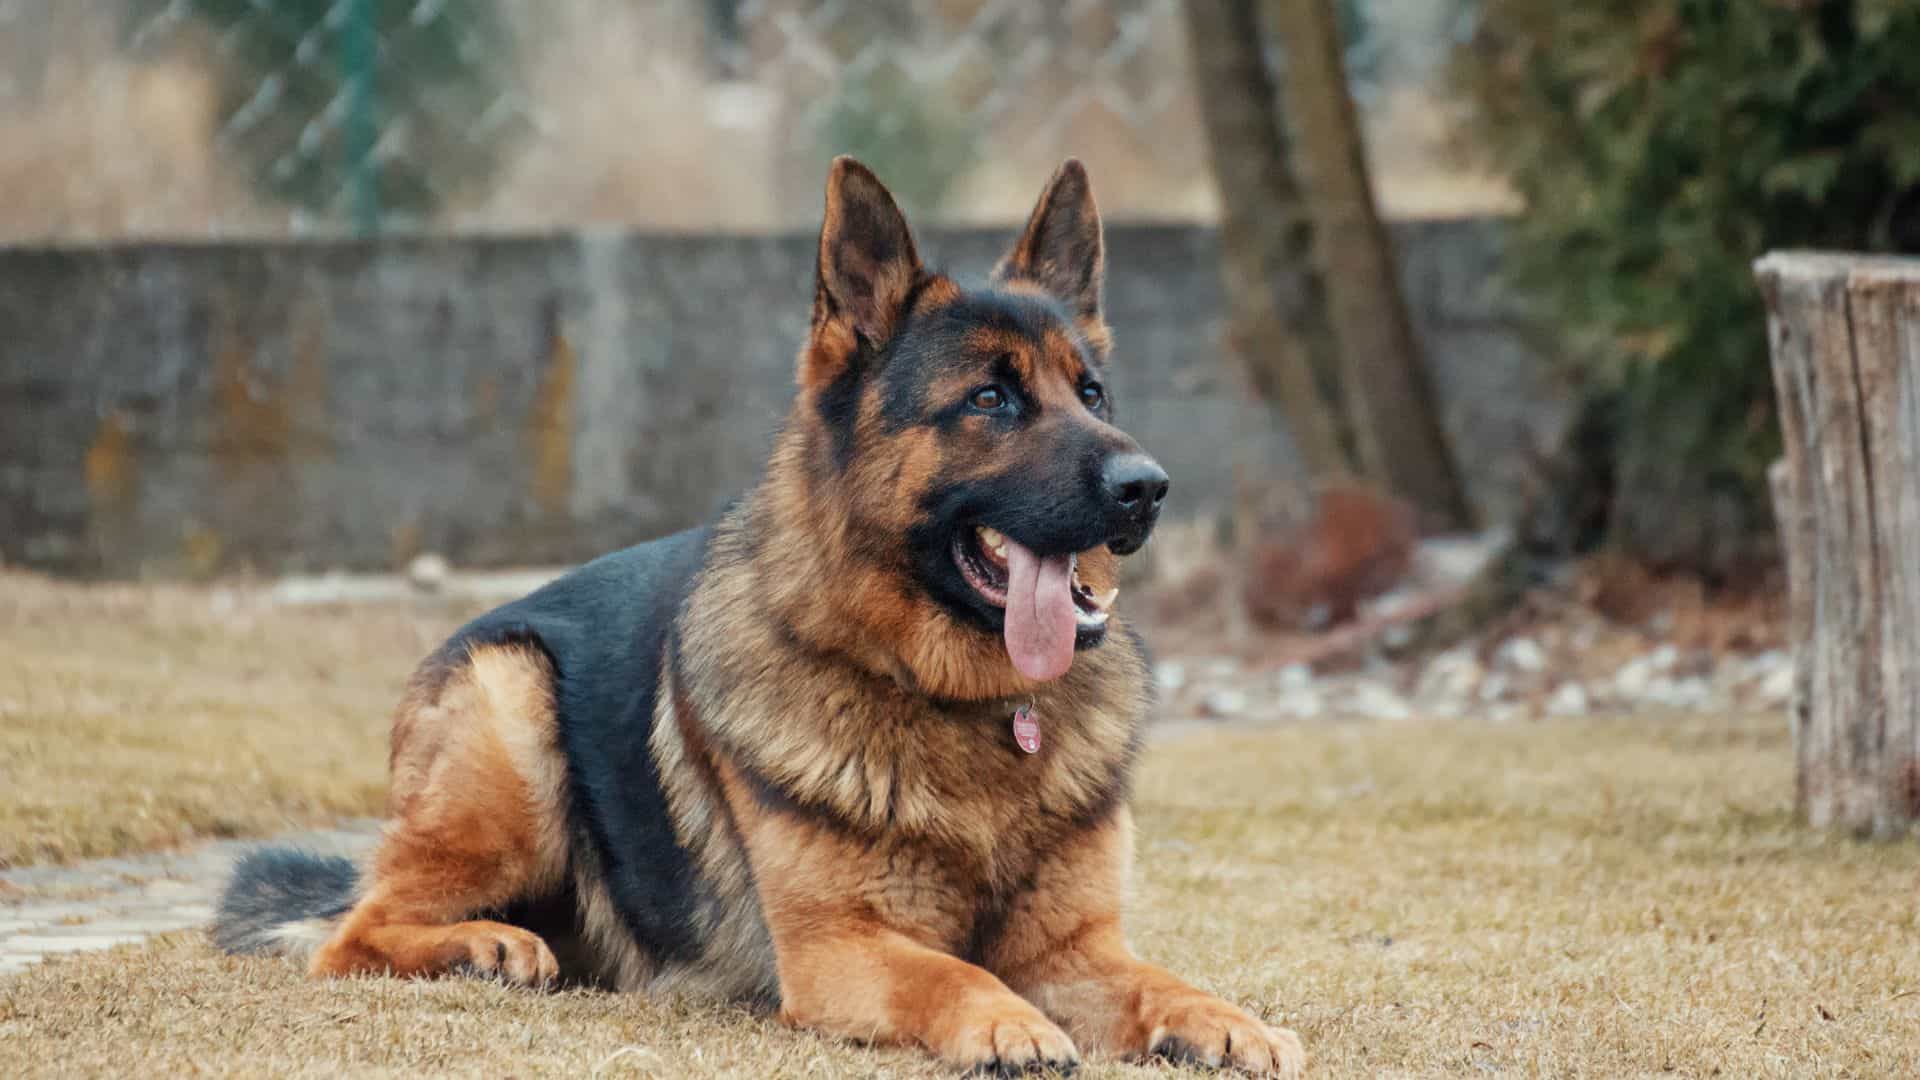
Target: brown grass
[(1602, 898), (134, 718)]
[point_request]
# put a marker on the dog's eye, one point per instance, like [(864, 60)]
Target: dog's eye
[(988, 398), (1093, 394)]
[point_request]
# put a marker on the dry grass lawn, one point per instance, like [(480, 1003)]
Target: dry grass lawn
[(1597, 898), (137, 717)]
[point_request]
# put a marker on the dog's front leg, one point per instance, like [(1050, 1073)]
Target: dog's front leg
[(1063, 949), (858, 929), (849, 976)]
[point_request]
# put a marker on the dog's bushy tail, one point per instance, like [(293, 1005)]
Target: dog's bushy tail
[(284, 901)]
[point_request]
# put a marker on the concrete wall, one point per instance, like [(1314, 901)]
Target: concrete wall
[(185, 409)]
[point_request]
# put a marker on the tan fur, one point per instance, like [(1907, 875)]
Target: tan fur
[(1065, 952), (476, 820)]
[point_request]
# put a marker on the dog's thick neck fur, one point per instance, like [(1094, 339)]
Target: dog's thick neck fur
[(916, 707)]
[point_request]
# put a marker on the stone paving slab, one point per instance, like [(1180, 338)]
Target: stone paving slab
[(122, 901)]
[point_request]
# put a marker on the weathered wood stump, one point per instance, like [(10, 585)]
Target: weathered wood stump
[(1845, 337)]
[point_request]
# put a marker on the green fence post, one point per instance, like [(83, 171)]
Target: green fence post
[(358, 56)]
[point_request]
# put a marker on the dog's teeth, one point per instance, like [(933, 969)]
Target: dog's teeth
[(1104, 598), (993, 541), (1091, 618)]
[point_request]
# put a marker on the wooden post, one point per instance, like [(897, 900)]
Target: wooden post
[(1845, 337)]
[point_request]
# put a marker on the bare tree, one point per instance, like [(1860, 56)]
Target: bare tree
[(1277, 326), (1398, 431)]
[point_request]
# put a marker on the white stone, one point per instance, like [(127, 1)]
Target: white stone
[(1689, 693), (1569, 700), (1224, 703), (1454, 674), (1294, 678), (428, 571), (1378, 702), (1631, 681), (1303, 705), (1494, 687), (1523, 654), (1776, 687)]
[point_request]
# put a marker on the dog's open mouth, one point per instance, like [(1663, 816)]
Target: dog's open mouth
[(1047, 605), (982, 556)]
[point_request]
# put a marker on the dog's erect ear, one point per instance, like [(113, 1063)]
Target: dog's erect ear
[(866, 271), (1061, 251)]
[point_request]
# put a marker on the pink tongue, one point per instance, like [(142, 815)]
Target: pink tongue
[(1040, 622)]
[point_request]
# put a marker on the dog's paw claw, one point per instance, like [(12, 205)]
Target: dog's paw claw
[(1215, 1034), (1016, 1046)]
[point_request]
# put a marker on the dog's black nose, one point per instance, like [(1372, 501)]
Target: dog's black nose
[(1135, 482)]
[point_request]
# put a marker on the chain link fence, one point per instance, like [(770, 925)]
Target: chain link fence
[(207, 118), (223, 117)]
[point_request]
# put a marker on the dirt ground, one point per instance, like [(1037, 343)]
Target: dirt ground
[(1568, 897)]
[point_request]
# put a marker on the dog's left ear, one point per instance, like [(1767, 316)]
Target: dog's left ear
[(866, 272), (1061, 250)]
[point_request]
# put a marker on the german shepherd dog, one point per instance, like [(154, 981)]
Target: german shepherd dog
[(859, 751)]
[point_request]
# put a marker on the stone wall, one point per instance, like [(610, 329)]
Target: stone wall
[(187, 409)]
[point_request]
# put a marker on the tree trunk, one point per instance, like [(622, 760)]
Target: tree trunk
[(1845, 338), (1276, 328), (1397, 427)]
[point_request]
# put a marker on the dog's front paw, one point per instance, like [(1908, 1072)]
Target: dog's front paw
[(1202, 1030), (1004, 1039), (508, 953)]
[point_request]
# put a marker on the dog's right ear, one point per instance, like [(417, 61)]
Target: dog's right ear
[(865, 275), (1061, 250)]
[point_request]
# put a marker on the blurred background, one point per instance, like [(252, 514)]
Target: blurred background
[(306, 285), (188, 119)]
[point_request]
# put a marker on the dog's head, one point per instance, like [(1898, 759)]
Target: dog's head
[(969, 433)]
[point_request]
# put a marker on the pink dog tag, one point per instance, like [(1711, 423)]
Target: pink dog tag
[(1026, 730)]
